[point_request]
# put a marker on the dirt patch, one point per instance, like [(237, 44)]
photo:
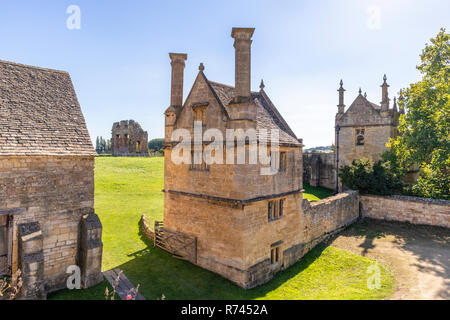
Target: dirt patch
[(419, 256)]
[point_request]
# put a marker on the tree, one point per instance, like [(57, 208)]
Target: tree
[(97, 145), (370, 178), (424, 131), (156, 144)]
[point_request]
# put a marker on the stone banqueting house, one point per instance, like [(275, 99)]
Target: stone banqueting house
[(47, 219), (243, 225), (129, 139), (361, 131)]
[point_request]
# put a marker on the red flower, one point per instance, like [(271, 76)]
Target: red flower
[(129, 297)]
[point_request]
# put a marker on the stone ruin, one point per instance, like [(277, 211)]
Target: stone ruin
[(129, 139)]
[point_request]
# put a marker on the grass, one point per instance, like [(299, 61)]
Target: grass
[(316, 193), (128, 187)]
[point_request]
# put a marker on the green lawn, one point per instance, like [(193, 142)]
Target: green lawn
[(128, 187)]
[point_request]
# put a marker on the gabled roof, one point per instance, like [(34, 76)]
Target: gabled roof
[(267, 116), (40, 113)]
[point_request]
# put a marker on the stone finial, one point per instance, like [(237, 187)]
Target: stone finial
[(365, 94), (384, 95), (360, 91), (201, 67), (262, 86), (341, 105), (395, 104)]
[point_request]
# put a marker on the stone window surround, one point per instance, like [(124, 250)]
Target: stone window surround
[(275, 254), (200, 109), (275, 209), (360, 133)]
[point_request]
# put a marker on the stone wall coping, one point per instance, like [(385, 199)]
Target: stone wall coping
[(440, 202), (334, 198)]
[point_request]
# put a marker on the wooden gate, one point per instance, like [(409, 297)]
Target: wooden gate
[(179, 244)]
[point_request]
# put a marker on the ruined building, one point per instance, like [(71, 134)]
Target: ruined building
[(128, 139), (47, 219), (230, 218)]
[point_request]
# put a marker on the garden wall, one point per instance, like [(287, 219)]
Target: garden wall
[(407, 209)]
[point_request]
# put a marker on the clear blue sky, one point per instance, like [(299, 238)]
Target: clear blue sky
[(119, 60)]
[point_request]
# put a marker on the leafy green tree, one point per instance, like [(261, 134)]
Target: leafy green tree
[(370, 178), (156, 144), (424, 131)]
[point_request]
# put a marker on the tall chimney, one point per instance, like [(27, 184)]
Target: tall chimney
[(176, 94), (242, 44)]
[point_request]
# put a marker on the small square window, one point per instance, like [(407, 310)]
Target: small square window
[(274, 255), (360, 135)]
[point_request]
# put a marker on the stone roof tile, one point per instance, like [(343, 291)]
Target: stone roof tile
[(267, 116), (40, 113)]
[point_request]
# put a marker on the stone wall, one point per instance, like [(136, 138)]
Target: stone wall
[(235, 238), (319, 169), (56, 192), (407, 209)]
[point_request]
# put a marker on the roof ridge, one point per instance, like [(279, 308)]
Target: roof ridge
[(227, 85), (32, 67)]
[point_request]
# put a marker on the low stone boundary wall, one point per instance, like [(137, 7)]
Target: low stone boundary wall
[(407, 209), (323, 220), (147, 229)]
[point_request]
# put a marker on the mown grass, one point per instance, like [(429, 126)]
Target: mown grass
[(128, 187)]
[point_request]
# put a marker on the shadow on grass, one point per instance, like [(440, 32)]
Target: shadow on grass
[(159, 273)]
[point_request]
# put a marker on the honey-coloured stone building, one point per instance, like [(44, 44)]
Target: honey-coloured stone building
[(229, 218), (47, 218), (363, 130)]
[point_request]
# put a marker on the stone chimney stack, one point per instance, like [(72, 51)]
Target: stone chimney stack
[(176, 94), (384, 95), (341, 105), (242, 44)]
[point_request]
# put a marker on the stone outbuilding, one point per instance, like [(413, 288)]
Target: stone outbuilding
[(129, 139), (231, 218), (47, 218)]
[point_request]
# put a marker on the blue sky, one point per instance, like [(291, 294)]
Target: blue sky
[(120, 67)]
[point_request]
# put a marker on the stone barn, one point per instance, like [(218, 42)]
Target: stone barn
[(47, 218), (230, 218), (128, 139)]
